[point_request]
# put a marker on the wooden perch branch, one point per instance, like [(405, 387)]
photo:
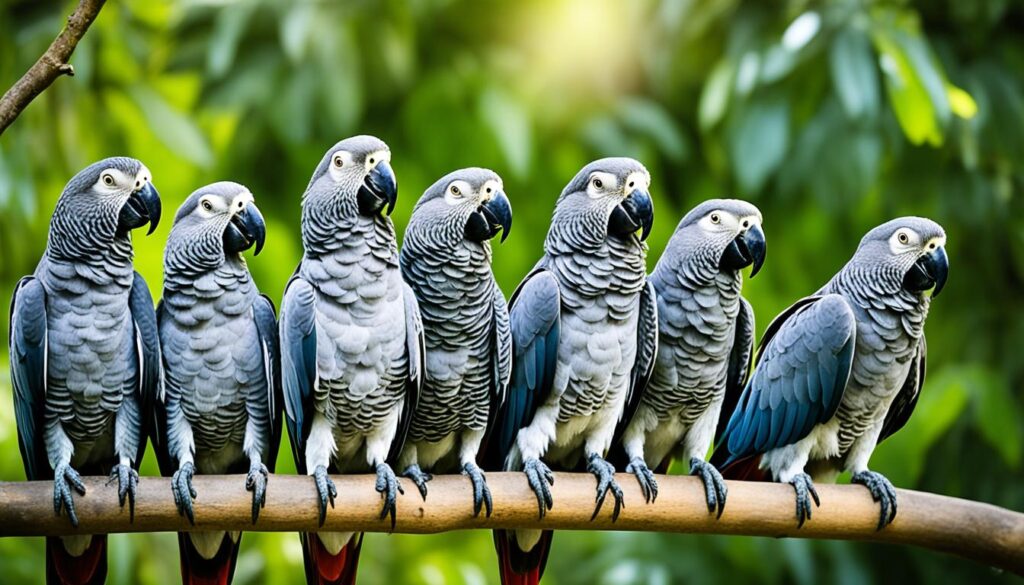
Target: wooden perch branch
[(981, 532), (51, 65)]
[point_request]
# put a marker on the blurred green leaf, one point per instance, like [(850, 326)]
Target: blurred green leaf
[(854, 73), (758, 141), (910, 98), (227, 34), (997, 416), (174, 129), (714, 100), (510, 126), (649, 118)]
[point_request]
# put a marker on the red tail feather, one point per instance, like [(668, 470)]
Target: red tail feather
[(746, 469), (195, 570), (518, 567), (323, 568), (89, 568)]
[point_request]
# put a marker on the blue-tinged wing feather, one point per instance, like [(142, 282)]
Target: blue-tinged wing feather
[(810, 350), (298, 364), (534, 312), (27, 346), (149, 386), (266, 327)]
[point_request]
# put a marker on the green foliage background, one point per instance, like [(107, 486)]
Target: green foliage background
[(830, 116)]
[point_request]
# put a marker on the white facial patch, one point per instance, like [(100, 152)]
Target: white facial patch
[(112, 182), (375, 158), (341, 163), (210, 205), (601, 184), (239, 201), (636, 180), (142, 177), (904, 240), (719, 221), (489, 189), (457, 192)]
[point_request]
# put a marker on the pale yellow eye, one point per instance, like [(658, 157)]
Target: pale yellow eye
[(715, 218), (207, 205), (338, 162), (903, 237), (598, 183), (456, 191), (108, 179)]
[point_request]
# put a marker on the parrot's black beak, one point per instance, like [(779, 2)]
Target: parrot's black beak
[(929, 271), (142, 207), (245, 229), (490, 218), (748, 248), (635, 212), (379, 190)]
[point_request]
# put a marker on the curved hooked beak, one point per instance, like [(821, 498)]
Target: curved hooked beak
[(635, 212), (748, 248), (490, 218), (142, 207), (245, 229), (379, 190), (930, 270)]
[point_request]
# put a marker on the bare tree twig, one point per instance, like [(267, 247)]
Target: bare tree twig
[(51, 65), (982, 532)]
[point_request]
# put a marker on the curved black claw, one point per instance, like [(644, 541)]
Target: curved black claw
[(882, 491), (66, 479), (388, 488), (481, 493), (418, 477), (605, 474), (714, 485), (256, 482), (184, 493), (645, 477), (539, 476), (127, 486), (804, 493), (325, 488)]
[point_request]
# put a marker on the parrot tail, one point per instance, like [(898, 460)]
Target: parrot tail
[(197, 570), (323, 568), (746, 469), (88, 568), (518, 567)]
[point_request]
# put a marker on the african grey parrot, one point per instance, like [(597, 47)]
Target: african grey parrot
[(446, 259), (85, 358), (584, 336), (218, 337), (705, 341), (351, 341), (841, 370)]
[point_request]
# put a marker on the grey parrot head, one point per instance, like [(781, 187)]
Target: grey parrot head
[(355, 177), (103, 202), (216, 221), (907, 253), (612, 195), (721, 235), (472, 201)]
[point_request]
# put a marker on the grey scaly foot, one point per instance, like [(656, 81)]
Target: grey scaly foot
[(418, 477), (882, 491), (804, 492), (127, 486), (605, 474), (326, 490), (256, 482), (539, 476), (388, 488), (715, 490), (184, 493), (64, 480), (481, 493), (645, 477)]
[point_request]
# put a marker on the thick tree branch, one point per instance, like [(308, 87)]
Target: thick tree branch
[(981, 532), (51, 65)]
